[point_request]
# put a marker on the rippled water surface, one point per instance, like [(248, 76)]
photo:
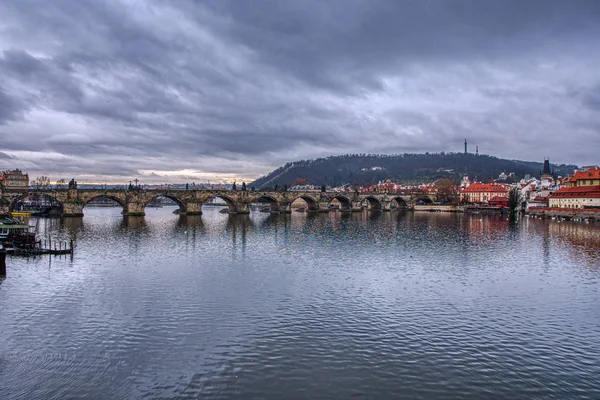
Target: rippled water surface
[(409, 305)]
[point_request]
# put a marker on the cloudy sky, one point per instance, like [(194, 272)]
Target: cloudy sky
[(182, 90)]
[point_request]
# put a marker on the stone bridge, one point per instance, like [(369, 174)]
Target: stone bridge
[(134, 201)]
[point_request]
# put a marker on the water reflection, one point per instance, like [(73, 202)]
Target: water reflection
[(308, 305)]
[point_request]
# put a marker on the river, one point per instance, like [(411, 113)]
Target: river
[(367, 305)]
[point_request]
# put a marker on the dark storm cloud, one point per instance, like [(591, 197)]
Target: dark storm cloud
[(182, 89), (10, 107)]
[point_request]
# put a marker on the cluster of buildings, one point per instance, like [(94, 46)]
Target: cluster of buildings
[(578, 191), (14, 180)]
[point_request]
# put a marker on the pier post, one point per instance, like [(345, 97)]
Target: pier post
[(2, 261)]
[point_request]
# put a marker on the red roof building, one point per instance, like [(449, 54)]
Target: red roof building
[(498, 201), (576, 197), (585, 176), (478, 192)]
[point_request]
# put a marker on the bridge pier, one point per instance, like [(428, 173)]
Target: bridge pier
[(323, 206), (134, 209), (193, 208), (72, 208), (285, 208), (386, 206), (242, 208), (355, 206)]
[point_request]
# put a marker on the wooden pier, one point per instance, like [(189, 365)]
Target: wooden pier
[(40, 248), (36, 251)]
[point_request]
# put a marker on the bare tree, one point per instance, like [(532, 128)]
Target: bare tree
[(446, 191), (300, 182), (41, 182)]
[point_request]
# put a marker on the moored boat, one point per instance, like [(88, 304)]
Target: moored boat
[(24, 213), (13, 233)]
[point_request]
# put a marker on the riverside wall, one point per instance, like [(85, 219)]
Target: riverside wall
[(566, 213), (436, 208)]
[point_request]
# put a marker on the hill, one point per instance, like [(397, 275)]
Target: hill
[(366, 169)]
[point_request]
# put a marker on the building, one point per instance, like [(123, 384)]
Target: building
[(584, 176), (15, 179), (576, 197), (478, 192), (498, 201), (538, 201), (581, 190)]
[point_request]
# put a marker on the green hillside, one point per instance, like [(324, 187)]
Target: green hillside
[(366, 169)]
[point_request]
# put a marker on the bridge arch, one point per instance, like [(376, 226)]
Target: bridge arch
[(346, 204), (175, 199), (13, 203), (104, 196), (273, 203), (311, 204), (374, 204), (400, 203), (231, 203), (423, 200)]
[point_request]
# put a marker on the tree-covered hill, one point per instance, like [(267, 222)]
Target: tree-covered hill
[(366, 169)]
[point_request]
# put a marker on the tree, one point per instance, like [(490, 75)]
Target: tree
[(300, 182), (61, 183), (514, 199), (446, 191), (41, 182)]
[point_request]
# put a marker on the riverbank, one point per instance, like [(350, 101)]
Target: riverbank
[(565, 213)]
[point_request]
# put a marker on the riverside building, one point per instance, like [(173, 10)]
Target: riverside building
[(14, 179), (581, 190)]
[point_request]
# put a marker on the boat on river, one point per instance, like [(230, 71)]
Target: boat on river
[(25, 213), (17, 234)]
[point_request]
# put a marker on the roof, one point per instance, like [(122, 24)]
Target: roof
[(577, 192), (479, 187), (585, 173), (539, 199), (498, 198)]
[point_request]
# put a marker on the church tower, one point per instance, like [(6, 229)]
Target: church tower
[(546, 177)]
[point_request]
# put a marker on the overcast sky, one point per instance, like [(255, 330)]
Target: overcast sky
[(176, 91)]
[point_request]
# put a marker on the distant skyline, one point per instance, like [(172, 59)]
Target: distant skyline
[(223, 90)]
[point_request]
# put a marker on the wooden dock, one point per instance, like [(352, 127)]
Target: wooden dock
[(39, 248)]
